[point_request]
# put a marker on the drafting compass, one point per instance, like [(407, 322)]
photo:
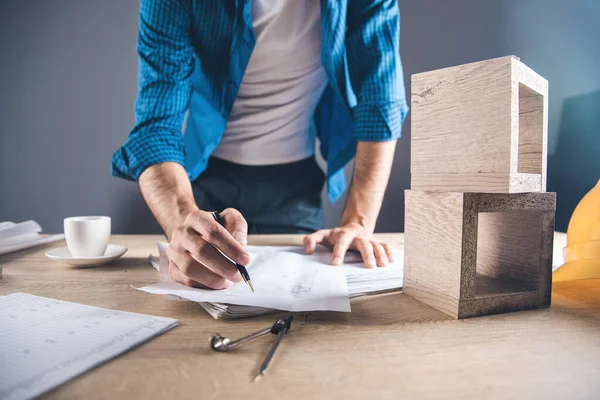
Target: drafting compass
[(279, 328)]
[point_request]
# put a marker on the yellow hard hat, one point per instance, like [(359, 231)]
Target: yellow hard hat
[(582, 253)]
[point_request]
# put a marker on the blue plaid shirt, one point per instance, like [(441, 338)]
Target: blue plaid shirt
[(192, 56)]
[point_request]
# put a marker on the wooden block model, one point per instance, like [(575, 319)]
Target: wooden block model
[(479, 127), (479, 225), (471, 254)]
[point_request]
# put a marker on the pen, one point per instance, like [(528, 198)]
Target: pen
[(239, 267)]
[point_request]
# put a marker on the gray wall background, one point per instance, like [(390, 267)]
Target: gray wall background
[(68, 84)]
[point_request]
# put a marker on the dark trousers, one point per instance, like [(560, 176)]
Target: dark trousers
[(284, 198)]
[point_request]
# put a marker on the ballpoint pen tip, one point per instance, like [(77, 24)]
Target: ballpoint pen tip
[(257, 377), (250, 284)]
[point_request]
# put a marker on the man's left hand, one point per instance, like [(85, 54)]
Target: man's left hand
[(350, 236)]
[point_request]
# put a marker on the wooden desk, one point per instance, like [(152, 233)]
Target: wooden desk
[(389, 347)]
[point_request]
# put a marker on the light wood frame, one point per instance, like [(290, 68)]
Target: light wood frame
[(472, 254), (479, 127)]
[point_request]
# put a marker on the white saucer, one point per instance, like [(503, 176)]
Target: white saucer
[(63, 255)]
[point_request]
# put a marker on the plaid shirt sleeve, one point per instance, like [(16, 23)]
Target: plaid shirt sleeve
[(375, 69), (165, 56)]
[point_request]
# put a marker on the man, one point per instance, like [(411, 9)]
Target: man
[(261, 80)]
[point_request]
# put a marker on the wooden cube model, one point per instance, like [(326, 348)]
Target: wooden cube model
[(472, 254), (479, 127)]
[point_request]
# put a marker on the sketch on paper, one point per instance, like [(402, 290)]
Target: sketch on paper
[(283, 280)]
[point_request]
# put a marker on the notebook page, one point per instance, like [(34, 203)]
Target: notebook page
[(45, 342)]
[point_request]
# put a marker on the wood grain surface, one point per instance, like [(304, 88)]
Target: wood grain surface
[(434, 237), (453, 240), (479, 127), (461, 119), (389, 347), (475, 182)]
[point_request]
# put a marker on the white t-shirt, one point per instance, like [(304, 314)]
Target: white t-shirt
[(270, 122)]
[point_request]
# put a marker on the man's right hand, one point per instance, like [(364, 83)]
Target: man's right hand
[(193, 256), (193, 234)]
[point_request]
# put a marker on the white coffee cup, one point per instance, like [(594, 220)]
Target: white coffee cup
[(87, 236)]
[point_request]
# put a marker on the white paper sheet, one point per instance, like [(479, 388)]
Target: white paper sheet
[(282, 280), (10, 229), (360, 280), (14, 237), (558, 256), (45, 342)]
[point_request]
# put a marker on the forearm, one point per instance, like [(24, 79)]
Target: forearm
[(372, 166), (167, 191)]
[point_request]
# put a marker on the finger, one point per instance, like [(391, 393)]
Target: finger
[(236, 225), (380, 255), (366, 250), (195, 271), (328, 242), (311, 241), (344, 239), (178, 276), (209, 256), (213, 232), (388, 252)]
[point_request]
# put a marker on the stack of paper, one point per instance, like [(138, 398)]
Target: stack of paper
[(45, 342), (360, 279), (280, 263), (23, 235), (282, 280)]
